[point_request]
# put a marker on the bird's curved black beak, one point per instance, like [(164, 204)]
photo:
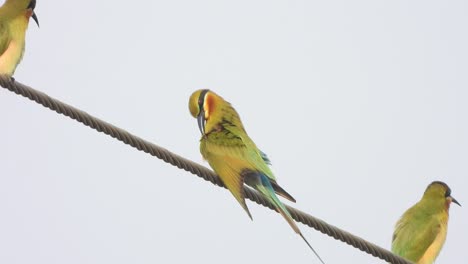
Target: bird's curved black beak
[(35, 18), (201, 121), (31, 6), (455, 201)]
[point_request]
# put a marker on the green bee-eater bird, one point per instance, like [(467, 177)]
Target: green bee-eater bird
[(14, 20), (421, 231), (233, 155)]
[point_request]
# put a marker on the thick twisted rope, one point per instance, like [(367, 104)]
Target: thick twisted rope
[(190, 166)]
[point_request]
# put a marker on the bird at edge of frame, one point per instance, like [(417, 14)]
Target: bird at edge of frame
[(421, 231), (234, 156), (14, 20)]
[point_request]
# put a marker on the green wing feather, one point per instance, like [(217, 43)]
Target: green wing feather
[(260, 160), (233, 144), (414, 233), (4, 37), (265, 157)]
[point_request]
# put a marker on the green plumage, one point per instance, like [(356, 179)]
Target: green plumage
[(5, 36), (421, 231), (233, 155), (14, 20)]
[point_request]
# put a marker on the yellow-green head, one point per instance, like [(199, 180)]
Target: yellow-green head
[(439, 194), (421, 231), (210, 109), (15, 8), (199, 106)]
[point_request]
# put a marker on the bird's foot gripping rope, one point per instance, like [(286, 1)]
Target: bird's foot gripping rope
[(190, 166)]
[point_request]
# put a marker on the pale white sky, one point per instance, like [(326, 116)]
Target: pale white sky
[(359, 105)]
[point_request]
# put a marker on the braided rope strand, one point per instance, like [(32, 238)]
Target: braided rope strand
[(190, 166)]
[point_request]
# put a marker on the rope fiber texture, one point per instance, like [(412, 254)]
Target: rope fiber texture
[(190, 166)]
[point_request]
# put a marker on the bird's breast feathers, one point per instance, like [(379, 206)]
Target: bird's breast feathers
[(434, 249)]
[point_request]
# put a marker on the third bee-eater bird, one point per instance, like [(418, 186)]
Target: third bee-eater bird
[(233, 155), (14, 20), (421, 231)]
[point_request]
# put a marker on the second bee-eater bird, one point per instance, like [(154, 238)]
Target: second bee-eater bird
[(421, 231), (233, 155), (14, 20)]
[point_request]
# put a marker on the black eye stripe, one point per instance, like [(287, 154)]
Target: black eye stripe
[(201, 98), (448, 192), (32, 4)]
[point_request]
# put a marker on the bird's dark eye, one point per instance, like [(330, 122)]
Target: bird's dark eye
[(201, 99), (32, 4), (448, 193)]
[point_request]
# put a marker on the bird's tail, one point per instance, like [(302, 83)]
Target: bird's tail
[(267, 189)]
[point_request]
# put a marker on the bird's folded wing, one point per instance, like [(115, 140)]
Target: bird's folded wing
[(412, 239), (234, 144), (4, 37)]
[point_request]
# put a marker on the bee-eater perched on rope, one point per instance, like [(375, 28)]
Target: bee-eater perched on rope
[(233, 155), (14, 20), (421, 231)]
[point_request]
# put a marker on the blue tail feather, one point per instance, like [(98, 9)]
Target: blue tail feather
[(266, 189)]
